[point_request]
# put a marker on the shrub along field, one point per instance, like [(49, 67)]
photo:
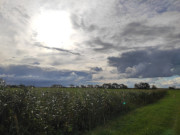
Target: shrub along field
[(66, 111)]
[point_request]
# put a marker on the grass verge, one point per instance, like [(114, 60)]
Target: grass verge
[(160, 118)]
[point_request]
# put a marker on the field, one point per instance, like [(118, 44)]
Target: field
[(161, 118), (67, 111)]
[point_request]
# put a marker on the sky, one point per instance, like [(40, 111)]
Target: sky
[(45, 42)]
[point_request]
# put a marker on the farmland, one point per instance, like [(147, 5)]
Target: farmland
[(160, 118), (66, 111)]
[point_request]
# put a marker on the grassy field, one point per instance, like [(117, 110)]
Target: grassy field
[(160, 118), (66, 111)]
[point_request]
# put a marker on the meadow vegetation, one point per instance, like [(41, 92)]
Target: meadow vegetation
[(160, 118), (66, 111)]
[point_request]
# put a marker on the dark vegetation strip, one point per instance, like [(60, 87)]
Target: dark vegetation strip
[(66, 111), (160, 118)]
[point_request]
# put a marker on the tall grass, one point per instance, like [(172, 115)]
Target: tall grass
[(65, 111)]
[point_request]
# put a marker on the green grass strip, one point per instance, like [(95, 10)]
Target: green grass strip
[(160, 118)]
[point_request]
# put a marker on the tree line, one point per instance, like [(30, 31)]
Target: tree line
[(141, 85)]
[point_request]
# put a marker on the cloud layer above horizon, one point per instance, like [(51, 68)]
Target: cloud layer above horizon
[(121, 41)]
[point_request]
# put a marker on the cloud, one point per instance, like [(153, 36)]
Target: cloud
[(79, 23), (147, 63), (145, 34), (114, 29), (96, 69), (36, 63), (98, 45), (19, 10), (140, 29), (136, 35), (31, 75), (146, 7), (54, 48), (172, 81), (30, 61)]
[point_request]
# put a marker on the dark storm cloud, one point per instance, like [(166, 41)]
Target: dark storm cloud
[(148, 63), (31, 75), (57, 49)]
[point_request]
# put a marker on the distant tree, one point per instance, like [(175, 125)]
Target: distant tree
[(89, 86), (14, 86), (153, 87), (83, 86), (71, 86), (136, 86), (56, 86), (172, 87), (31, 86), (97, 86), (123, 86), (114, 86), (107, 85), (142, 85), (22, 86)]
